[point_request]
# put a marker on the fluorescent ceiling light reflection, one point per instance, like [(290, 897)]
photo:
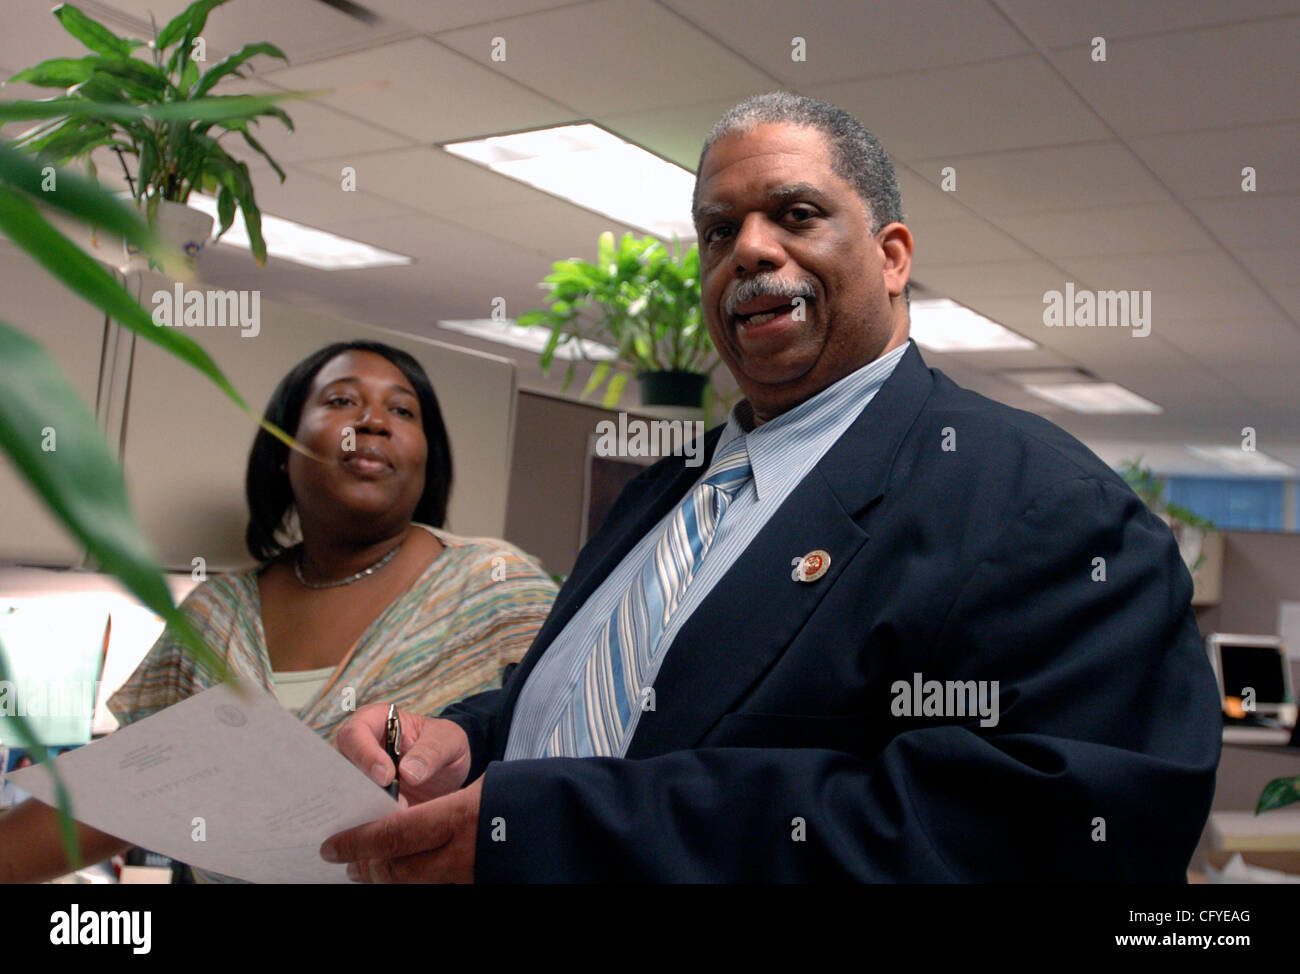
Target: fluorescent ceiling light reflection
[(303, 245), (1236, 459), (946, 326), (533, 339), (595, 169), (1094, 397)]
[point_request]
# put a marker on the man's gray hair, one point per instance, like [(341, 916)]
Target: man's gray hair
[(857, 156)]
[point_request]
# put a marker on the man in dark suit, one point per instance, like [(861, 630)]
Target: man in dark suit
[(896, 631)]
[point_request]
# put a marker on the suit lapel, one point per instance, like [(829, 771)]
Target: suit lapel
[(757, 608)]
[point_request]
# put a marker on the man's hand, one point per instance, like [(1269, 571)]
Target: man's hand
[(435, 752), (430, 843)]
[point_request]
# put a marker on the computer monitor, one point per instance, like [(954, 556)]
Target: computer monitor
[(1257, 664)]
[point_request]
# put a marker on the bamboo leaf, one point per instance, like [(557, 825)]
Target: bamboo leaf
[(92, 33)]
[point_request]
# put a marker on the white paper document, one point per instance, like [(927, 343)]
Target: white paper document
[(227, 781)]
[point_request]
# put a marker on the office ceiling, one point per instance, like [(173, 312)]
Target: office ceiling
[(1122, 174)]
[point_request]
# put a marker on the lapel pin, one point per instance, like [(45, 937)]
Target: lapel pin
[(811, 566)]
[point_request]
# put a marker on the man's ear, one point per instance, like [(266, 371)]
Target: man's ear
[(896, 243)]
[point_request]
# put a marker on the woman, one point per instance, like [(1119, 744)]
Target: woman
[(376, 603)]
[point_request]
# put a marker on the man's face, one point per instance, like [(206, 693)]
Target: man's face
[(776, 223)]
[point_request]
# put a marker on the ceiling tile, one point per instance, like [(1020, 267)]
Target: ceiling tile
[(1251, 222), (423, 90), (1059, 22), (304, 29), (1192, 80), (997, 105), (956, 241), (1209, 163), (430, 180), (1136, 228), (1064, 177), (1158, 273), (434, 17), (676, 133), (551, 227), (611, 57), (849, 39)]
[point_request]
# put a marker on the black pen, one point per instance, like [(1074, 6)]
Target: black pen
[(393, 744)]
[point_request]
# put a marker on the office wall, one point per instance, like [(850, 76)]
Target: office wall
[(1261, 569), (72, 331), (544, 510)]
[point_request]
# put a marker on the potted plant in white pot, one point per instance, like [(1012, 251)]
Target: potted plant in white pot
[(644, 300), (172, 157)]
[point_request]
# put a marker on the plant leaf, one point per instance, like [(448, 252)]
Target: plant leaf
[(615, 390), (79, 197), (59, 72), (92, 33), (78, 479), (225, 210), (257, 146), (214, 108), (230, 65), (83, 275), (598, 375), (1277, 793), (178, 25)]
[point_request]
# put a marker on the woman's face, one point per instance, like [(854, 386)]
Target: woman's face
[(363, 416)]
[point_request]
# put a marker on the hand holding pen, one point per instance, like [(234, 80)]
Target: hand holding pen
[(393, 745)]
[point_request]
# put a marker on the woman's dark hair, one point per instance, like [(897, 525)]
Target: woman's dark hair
[(267, 483)]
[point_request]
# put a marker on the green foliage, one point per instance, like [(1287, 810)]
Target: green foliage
[(1278, 792), (78, 478), (639, 297), (1151, 489), (157, 111)]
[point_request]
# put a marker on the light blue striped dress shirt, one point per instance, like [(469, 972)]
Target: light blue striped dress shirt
[(782, 452)]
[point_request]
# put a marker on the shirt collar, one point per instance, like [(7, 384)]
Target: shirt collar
[(770, 445)]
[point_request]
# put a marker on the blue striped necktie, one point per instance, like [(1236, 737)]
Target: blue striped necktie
[(601, 710)]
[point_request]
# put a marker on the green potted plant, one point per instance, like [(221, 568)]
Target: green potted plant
[(642, 298), (1196, 537), (173, 155)]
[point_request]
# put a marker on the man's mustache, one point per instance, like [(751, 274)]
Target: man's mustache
[(767, 285)]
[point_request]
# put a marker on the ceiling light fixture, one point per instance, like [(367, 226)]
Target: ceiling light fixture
[(291, 241), (594, 168), (941, 325)]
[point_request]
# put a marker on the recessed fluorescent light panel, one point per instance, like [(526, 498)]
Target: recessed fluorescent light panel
[(1094, 397), (946, 326), (1236, 459), (534, 339), (303, 245), (595, 169)]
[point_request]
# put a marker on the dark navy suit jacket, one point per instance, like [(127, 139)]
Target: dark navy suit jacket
[(964, 537)]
